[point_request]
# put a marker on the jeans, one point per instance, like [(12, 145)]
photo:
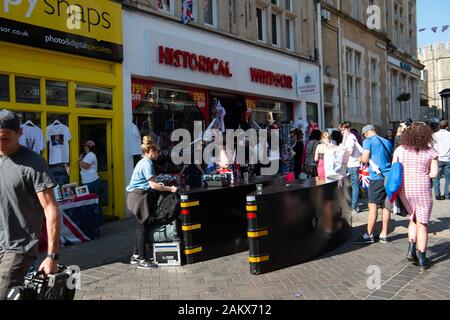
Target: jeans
[(444, 170), (354, 173), (93, 186)]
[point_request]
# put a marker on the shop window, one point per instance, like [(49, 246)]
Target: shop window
[(93, 97), (4, 87), (312, 113), (280, 112), (57, 93), (28, 90), (170, 108)]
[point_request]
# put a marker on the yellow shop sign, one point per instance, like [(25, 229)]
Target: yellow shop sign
[(85, 27)]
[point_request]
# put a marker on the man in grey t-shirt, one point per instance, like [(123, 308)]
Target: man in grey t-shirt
[(26, 194)]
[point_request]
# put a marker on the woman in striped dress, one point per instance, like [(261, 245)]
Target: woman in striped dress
[(420, 164)]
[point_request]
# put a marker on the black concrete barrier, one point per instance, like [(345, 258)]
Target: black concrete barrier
[(213, 220), (292, 223)]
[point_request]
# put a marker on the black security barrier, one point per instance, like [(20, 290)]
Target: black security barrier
[(292, 223), (213, 223)]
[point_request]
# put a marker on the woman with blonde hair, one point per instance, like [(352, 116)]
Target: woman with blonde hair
[(320, 154), (141, 200)]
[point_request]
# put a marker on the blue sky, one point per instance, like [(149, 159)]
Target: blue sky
[(433, 13)]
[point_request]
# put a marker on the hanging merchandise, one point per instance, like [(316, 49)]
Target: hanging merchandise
[(58, 135), (32, 137), (219, 114), (186, 11), (136, 147)]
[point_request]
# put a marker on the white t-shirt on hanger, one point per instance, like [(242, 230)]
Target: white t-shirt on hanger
[(32, 138), (59, 136)]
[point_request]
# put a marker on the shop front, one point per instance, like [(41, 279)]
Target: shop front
[(174, 75), (61, 71)]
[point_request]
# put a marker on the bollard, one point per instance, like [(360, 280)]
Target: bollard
[(258, 257), (190, 228)]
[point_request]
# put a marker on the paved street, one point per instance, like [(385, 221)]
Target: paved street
[(341, 274)]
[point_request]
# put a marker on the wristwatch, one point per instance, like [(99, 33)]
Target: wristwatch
[(53, 256)]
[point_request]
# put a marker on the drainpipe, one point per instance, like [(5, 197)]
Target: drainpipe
[(320, 50)]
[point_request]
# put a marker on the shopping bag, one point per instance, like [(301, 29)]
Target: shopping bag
[(394, 181)]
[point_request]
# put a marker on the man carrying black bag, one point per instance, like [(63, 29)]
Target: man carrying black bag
[(26, 194)]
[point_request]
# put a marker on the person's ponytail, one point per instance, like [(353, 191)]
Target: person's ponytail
[(148, 145)]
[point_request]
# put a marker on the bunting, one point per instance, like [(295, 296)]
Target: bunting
[(436, 29)]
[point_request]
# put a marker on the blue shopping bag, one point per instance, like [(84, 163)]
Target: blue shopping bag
[(395, 181)]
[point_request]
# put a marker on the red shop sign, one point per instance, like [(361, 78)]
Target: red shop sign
[(139, 90), (270, 78), (198, 63)]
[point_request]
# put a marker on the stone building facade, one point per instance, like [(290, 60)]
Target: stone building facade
[(366, 69), (436, 74)]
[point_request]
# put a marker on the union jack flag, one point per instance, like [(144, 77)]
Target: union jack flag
[(363, 176), (186, 11)]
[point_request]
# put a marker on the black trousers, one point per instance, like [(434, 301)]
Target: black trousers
[(13, 269), (141, 239)]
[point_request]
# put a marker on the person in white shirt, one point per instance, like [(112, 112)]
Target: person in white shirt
[(442, 146), (349, 144), (89, 166)]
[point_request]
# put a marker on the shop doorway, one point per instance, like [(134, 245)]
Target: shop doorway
[(99, 130)]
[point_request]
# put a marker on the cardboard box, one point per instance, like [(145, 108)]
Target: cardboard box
[(167, 254)]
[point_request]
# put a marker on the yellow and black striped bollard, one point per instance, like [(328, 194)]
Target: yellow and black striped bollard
[(190, 228), (258, 258)]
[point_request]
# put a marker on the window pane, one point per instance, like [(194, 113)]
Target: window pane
[(164, 5), (209, 12), (288, 34), (288, 5), (274, 30), (4, 87), (57, 92), (260, 24), (93, 97), (28, 90)]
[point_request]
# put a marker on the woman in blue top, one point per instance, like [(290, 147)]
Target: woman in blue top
[(141, 199)]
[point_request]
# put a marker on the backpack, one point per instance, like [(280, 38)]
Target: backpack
[(167, 208)]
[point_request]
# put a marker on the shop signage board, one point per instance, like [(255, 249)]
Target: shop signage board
[(271, 78), (308, 83), (139, 90), (86, 28)]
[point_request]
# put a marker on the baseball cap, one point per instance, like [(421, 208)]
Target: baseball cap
[(9, 120), (89, 143), (368, 128)]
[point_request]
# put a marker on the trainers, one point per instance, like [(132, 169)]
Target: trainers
[(383, 239), (135, 260), (365, 239), (147, 265), (355, 211)]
